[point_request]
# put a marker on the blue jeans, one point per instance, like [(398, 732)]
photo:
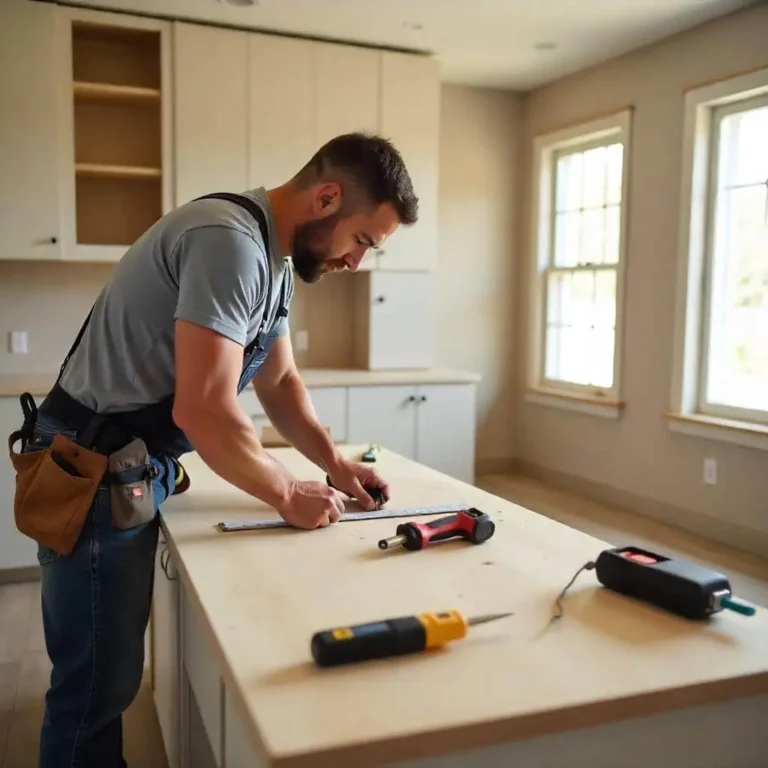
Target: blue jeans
[(95, 604)]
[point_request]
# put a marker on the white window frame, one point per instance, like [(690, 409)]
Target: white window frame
[(540, 390), (689, 413)]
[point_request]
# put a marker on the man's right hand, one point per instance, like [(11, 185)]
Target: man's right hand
[(312, 505)]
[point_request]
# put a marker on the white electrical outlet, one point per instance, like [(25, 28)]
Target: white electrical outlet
[(302, 341), (18, 342), (710, 471)]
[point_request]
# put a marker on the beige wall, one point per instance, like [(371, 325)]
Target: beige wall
[(638, 454), (475, 293), (50, 302)]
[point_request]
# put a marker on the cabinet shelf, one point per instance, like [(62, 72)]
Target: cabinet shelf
[(124, 94), (102, 171)]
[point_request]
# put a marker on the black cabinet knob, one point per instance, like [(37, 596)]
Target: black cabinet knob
[(412, 399), (423, 399), (380, 299), (53, 241)]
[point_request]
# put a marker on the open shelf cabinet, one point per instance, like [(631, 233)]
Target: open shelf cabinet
[(117, 109)]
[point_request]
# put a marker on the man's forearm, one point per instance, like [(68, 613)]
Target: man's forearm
[(227, 442), (289, 408)]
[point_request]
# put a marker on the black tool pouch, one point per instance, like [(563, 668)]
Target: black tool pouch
[(130, 475)]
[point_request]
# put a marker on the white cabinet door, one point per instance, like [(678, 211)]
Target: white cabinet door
[(16, 549), (166, 661), (347, 90), (410, 117), (401, 325), (330, 404), (281, 104), (32, 81), (211, 110), (445, 429), (203, 675), (383, 415)]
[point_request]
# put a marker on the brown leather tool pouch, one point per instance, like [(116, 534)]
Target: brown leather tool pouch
[(55, 488)]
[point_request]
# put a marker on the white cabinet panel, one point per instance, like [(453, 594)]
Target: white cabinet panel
[(16, 549), (410, 117), (383, 415), (33, 79), (282, 112), (211, 104), (400, 326), (445, 429), (166, 665), (203, 677), (347, 90), (331, 407), (238, 748)]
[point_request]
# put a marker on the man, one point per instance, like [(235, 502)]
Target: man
[(197, 308)]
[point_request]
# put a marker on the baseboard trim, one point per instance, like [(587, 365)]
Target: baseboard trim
[(16, 575), (494, 466), (740, 537)]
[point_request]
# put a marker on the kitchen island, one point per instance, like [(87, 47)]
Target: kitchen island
[(613, 682)]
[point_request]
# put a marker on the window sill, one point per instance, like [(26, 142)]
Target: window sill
[(592, 406), (725, 430)]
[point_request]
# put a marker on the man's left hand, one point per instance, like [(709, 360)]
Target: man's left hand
[(350, 477)]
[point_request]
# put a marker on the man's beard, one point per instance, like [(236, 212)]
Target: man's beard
[(311, 247)]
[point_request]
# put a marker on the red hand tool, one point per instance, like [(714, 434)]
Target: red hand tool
[(470, 524)]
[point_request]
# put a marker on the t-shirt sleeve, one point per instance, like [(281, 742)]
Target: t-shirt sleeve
[(221, 272)]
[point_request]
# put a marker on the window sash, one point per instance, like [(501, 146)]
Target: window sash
[(549, 267), (703, 405)]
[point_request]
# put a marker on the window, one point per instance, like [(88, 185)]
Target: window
[(579, 264), (721, 365)]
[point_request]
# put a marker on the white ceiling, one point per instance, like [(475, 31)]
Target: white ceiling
[(478, 42)]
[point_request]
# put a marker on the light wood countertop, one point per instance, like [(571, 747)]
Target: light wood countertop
[(39, 384), (261, 596)]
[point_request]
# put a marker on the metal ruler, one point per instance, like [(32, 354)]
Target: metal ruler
[(346, 517)]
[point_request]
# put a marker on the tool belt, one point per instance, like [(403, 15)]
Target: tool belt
[(57, 484)]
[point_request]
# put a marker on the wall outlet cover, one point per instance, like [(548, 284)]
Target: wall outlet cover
[(18, 342), (710, 471)]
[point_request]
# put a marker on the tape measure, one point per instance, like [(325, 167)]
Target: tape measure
[(346, 517)]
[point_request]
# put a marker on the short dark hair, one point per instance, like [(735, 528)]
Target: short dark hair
[(370, 163)]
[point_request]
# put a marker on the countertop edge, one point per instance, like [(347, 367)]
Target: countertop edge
[(471, 736)]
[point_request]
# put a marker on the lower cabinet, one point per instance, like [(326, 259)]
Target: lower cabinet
[(433, 424), (16, 549), (165, 650), (200, 725)]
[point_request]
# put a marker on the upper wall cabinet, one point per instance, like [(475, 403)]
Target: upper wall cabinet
[(211, 103), (117, 119), (282, 123), (30, 209), (410, 117), (347, 90)]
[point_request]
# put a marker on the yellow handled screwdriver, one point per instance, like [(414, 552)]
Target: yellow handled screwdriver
[(392, 637)]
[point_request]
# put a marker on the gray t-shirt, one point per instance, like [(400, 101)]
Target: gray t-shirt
[(204, 262)]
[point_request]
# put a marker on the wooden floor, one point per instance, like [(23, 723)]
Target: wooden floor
[(24, 666)]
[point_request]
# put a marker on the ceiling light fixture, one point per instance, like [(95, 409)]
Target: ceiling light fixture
[(545, 46), (414, 26)]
